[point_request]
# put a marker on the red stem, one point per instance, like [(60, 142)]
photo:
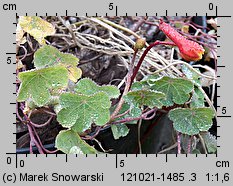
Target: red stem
[(33, 140), (42, 125), (190, 144), (120, 115), (40, 143), (143, 116), (33, 134), (145, 53), (17, 112), (127, 87), (179, 142)]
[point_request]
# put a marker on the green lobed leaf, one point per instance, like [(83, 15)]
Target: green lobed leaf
[(191, 121), (148, 98), (198, 99), (36, 27), (37, 84), (176, 89), (191, 74), (119, 130), (88, 87), (210, 142), (80, 111), (70, 142), (48, 56)]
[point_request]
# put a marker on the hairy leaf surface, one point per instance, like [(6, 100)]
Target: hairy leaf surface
[(48, 56), (37, 84), (80, 111), (210, 142), (191, 121), (148, 98), (88, 87), (198, 99), (70, 142), (176, 89)]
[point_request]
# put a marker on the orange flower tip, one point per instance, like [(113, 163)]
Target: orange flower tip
[(191, 51)]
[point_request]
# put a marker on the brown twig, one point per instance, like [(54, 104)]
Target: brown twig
[(138, 24), (70, 30)]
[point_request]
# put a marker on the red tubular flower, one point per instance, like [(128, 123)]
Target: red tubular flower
[(189, 50)]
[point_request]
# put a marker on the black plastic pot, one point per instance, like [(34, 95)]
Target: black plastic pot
[(156, 135)]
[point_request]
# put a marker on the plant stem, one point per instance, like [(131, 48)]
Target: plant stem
[(40, 143), (17, 112), (33, 134), (33, 141), (167, 149), (127, 86), (203, 143), (143, 116), (120, 115), (179, 142), (145, 53), (190, 144), (42, 125), (139, 136)]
